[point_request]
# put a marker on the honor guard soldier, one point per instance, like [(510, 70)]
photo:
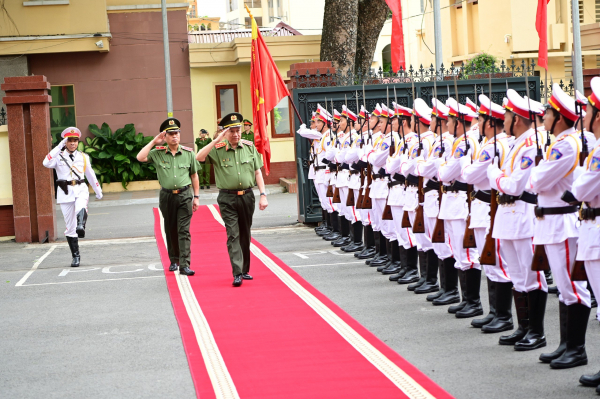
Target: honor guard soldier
[(204, 173), (237, 170), (72, 167), (491, 119), (514, 225), (177, 172), (587, 190), (248, 134), (556, 228)]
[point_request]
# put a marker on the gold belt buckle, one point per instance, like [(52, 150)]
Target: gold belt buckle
[(240, 193), (73, 182), (175, 191)]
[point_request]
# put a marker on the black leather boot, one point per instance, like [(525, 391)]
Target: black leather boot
[(74, 247), (473, 307), (382, 259), (549, 279), (522, 310), (577, 321), (335, 224), (403, 264), (450, 295), (590, 380), (535, 337), (422, 271), (553, 290), (412, 273), (357, 232), (503, 316), (370, 250), (491, 288), (323, 224), (562, 346), (442, 290), (388, 251), (462, 278), (81, 220), (345, 231), (592, 296), (328, 228), (431, 281), (395, 265)]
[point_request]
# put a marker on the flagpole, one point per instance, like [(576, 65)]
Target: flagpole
[(295, 109)]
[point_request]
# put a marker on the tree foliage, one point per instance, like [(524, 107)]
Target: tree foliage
[(113, 155), (483, 62)]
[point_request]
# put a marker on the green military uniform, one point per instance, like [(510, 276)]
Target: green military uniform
[(235, 176), (204, 174), (176, 198), (250, 135)]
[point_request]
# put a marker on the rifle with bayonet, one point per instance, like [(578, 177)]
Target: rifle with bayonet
[(387, 210), (439, 231), (419, 223), (337, 199), (329, 123)]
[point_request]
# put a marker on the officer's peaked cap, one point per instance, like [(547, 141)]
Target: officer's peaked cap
[(232, 120), (169, 125)]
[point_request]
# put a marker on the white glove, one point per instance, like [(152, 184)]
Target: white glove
[(496, 162), (99, 196), (302, 126)]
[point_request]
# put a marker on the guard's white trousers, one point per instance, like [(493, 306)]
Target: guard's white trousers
[(499, 272), (326, 202), (562, 258), (423, 241), (466, 258), (70, 211), (592, 269), (442, 250), (387, 227), (405, 235), (518, 255)]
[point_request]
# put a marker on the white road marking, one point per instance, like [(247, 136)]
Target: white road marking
[(85, 243), (215, 365), (93, 281), (78, 270), (328, 264), (302, 255), (35, 266), (395, 374)]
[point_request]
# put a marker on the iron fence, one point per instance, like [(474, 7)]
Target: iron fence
[(2, 116)]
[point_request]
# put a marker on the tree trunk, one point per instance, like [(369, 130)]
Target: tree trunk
[(338, 40), (371, 17)]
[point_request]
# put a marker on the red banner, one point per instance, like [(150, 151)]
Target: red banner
[(541, 25), (397, 46)]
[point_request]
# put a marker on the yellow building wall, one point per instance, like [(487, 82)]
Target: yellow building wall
[(204, 102), (5, 179)]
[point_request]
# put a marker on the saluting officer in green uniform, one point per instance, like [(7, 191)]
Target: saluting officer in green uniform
[(237, 169), (177, 171), (204, 174), (248, 133)]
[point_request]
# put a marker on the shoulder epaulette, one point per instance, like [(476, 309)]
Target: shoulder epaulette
[(187, 148), (247, 142), (160, 147), (219, 145), (529, 142)]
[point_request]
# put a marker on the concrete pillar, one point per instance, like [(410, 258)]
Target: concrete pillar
[(27, 101)]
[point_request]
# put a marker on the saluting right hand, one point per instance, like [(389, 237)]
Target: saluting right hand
[(221, 135), (160, 138)]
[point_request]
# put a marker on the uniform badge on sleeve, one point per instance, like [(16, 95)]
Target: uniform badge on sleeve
[(437, 151), (595, 164), (459, 153), (384, 146), (555, 154), (526, 162), (414, 152), (484, 156)]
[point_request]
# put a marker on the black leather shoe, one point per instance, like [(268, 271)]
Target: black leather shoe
[(237, 280), (366, 253), (432, 297), (562, 346), (534, 339), (333, 236), (513, 338), (461, 305), (427, 288), (208, 187), (392, 269), (186, 271), (201, 187), (399, 275), (447, 298), (574, 355), (411, 276), (553, 290), (590, 380), (246, 276), (342, 242), (417, 284), (173, 267), (353, 247)]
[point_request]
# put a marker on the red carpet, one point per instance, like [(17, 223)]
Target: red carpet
[(276, 336)]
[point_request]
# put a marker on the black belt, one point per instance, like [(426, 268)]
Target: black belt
[(354, 172), (395, 183), (483, 196), (428, 189), (561, 210), (179, 190), (236, 192), (399, 177), (345, 166), (457, 186), (432, 185), (504, 199), (320, 167), (379, 175), (70, 182), (412, 180), (332, 167), (589, 213)]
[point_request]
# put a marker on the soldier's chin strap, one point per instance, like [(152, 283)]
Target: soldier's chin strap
[(512, 124), (594, 113), (556, 117)]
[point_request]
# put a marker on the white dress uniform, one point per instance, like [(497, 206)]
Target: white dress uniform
[(369, 141), (68, 166), (558, 233), (351, 156), (397, 195), (454, 209)]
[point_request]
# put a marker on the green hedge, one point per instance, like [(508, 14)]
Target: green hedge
[(113, 155)]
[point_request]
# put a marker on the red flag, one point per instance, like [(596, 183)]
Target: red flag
[(397, 46), (267, 87), (541, 25)]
